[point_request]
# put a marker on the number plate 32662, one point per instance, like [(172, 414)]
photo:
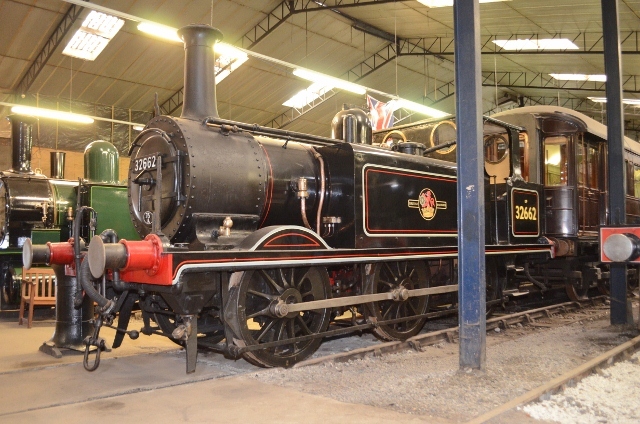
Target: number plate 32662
[(145, 163)]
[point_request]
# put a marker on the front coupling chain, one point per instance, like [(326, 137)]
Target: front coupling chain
[(98, 342)]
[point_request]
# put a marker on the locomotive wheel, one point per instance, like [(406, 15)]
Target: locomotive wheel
[(388, 276), (10, 287), (577, 289), (254, 318)]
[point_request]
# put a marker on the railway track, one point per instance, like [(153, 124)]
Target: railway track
[(451, 334), (621, 352)]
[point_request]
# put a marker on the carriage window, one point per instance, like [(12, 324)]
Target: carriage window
[(582, 165), (630, 178), (636, 180), (592, 165), (555, 161), (524, 155)]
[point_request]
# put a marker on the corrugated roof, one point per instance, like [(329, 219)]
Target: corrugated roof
[(134, 66)]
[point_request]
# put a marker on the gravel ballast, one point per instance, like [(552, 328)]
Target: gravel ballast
[(430, 384), (608, 396)]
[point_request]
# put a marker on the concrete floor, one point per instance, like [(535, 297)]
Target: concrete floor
[(145, 380)]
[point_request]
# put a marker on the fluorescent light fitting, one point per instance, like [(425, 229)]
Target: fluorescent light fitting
[(224, 49), (93, 36), (229, 59), (444, 3), (160, 31), (328, 81), (579, 77), (540, 44), (52, 114), (304, 97), (137, 128), (85, 46), (102, 24), (425, 110), (634, 102)]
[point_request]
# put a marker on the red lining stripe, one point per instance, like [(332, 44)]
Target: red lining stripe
[(313, 242)]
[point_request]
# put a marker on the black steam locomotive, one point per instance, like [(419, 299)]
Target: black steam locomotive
[(256, 239), (31, 206)]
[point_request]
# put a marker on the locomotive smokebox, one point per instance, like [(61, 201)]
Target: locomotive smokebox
[(21, 141), (199, 71)]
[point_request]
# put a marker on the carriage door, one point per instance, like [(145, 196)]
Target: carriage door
[(589, 190), (559, 195)]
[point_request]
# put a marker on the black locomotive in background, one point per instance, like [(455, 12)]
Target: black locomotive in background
[(256, 240), (31, 206)]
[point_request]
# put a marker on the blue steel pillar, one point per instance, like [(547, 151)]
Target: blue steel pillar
[(471, 261), (615, 136)]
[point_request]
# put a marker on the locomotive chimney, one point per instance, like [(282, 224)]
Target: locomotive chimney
[(57, 165), (199, 100), (21, 141)]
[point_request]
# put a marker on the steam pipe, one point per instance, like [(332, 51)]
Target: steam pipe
[(273, 132), (321, 193)]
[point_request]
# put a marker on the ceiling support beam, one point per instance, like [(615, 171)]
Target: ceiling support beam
[(49, 47), (364, 68), (301, 6), (361, 70), (587, 42), (266, 26), (630, 83)]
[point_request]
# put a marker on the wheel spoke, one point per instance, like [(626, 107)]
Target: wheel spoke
[(262, 312), (303, 325), (384, 316), (291, 328), (413, 309), (260, 294), (412, 274), (265, 330), (271, 281), (285, 283), (386, 265), (302, 279), (386, 283)]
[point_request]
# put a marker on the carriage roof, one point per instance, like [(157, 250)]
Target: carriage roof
[(590, 125)]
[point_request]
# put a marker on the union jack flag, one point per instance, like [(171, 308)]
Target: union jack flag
[(381, 113)]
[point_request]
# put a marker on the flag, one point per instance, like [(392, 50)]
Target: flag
[(381, 113)]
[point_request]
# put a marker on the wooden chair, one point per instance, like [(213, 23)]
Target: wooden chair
[(38, 287)]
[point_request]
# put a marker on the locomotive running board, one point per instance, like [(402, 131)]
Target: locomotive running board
[(232, 260)]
